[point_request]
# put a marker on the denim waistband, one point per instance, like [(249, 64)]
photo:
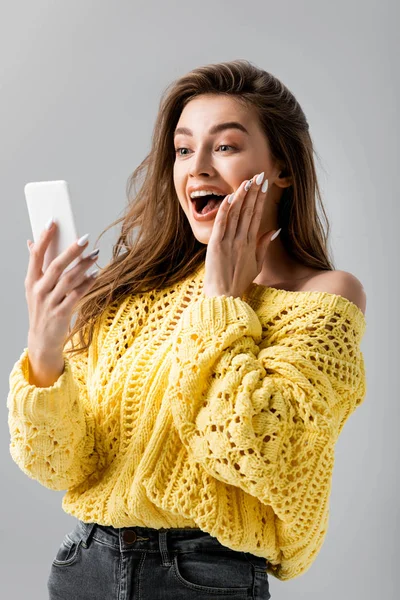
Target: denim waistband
[(154, 540)]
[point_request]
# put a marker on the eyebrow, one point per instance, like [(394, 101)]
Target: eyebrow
[(215, 129)]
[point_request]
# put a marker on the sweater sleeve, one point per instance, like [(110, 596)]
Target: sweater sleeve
[(264, 414), (52, 428)]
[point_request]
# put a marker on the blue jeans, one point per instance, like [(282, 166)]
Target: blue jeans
[(95, 562)]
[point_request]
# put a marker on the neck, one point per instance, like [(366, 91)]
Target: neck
[(278, 266)]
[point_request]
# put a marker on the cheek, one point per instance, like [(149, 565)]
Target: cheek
[(265, 212), (183, 206), (178, 183), (182, 200), (177, 177), (178, 191)]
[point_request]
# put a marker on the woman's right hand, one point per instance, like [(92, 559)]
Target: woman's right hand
[(52, 296)]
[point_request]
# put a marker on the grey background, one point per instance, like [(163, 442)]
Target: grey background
[(80, 87)]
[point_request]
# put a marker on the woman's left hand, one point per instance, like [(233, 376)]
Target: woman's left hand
[(234, 256)]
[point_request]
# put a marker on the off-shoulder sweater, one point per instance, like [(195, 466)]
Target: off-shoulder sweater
[(219, 413)]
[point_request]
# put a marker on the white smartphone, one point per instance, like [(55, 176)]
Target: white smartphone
[(46, 199)]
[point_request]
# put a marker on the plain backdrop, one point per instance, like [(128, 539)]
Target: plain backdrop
[(80, 88)]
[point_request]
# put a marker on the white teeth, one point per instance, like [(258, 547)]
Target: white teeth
[(199, 193)]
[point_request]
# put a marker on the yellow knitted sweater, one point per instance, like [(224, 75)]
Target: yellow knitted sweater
[(218, 413)]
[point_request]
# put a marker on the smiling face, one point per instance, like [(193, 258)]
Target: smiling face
[(222, 157)]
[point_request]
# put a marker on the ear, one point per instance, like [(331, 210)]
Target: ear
[(280, 175), (283, 179)]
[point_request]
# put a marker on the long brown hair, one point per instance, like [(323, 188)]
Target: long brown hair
[(165, 250)]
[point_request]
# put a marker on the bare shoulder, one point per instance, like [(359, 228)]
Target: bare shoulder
[(341, 283)]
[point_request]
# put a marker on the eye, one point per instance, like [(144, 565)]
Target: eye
[(220, 146), (177, 151)]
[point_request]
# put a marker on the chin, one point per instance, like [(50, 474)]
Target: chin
[(203, 238), (201, 231)]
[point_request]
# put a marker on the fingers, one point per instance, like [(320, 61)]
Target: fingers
[(37, 252), (260, 188), (57, 266), (247, 209), (237, 214), (68, 303), (72, 280)]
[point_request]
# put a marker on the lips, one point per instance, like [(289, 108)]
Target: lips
[(209, 188), (208, 216)]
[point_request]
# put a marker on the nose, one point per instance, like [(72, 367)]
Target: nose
[(200, 164)]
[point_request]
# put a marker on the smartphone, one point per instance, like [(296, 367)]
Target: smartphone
[(46, 199)]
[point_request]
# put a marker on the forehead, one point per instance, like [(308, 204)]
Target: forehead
[(208, 109)]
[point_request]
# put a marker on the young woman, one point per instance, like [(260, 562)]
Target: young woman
[(194, 426)]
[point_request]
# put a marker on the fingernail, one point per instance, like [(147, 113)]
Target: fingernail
[(276, 234), (28, 244), (82, 241), (264, 186), (49, 223), (94, 253), (230, 199), (248, 184), (260, 177)]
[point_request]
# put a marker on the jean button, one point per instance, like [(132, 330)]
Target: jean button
[(129, 536)]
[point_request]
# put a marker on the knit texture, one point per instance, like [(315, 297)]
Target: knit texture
[(217, 413)]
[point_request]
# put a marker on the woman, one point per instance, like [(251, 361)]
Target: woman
[(194, 427)]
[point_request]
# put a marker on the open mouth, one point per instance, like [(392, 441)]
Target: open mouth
[(205, 204)]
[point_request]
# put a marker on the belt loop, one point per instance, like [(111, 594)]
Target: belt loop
[(87, 533), (162, 541)]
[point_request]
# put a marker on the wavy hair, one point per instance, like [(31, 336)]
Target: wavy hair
[(156, 246)]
